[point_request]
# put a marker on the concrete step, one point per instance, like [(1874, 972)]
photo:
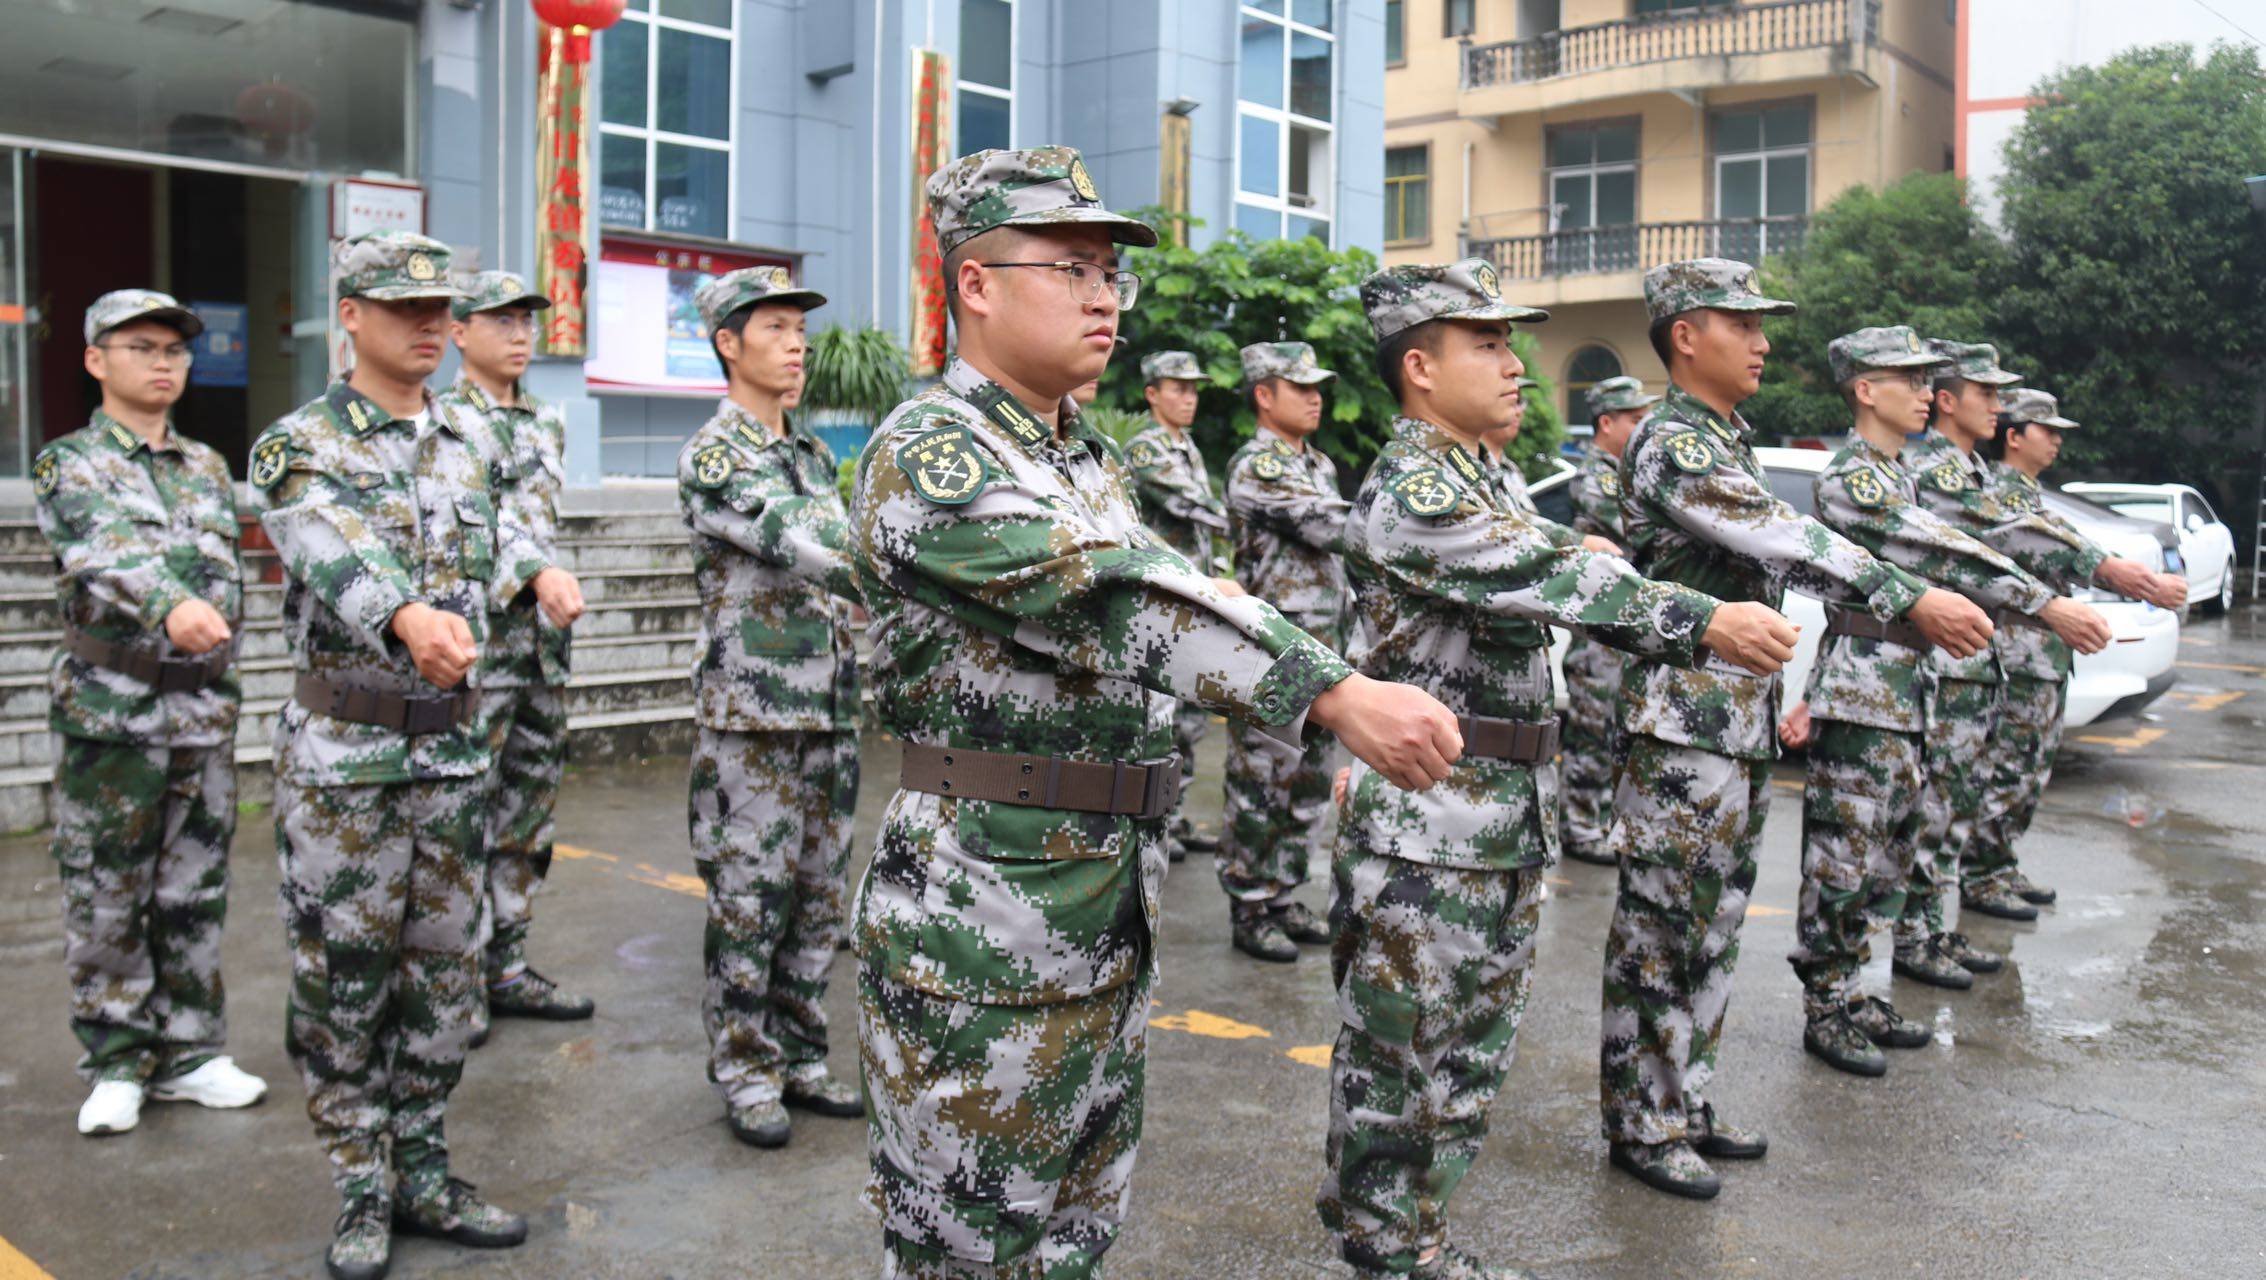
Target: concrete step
[(579, 526), (595, 555)]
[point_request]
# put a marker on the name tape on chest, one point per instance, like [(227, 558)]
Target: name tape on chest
[(945, 467)]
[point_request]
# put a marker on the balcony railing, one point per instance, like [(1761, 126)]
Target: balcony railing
[(1717, 31), (1596, 250)]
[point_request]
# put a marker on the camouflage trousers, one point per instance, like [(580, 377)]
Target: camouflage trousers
[(1685, 826), (770, 814), (381, 897), (1861, 822), (1190, 724), (1963, 722), (1590, 743), (1001, 1138), (527, 735), (141, 841), (1276, 801), (2022, 762), (1432, 966)]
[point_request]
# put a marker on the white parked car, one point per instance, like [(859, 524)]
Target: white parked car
[(2132, 672), (2206, 544)]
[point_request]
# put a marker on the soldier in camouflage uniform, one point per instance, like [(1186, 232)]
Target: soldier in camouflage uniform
[(1289, 526), (1957, 483), (775, 767), (1689, 808), (380, 503), (144, 694), (1179, 505), (1862, 812), (523, 667), (1032, 637), (1437, 895), (1591, 745)]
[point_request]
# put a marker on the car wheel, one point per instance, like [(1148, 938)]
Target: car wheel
[(2226, 601)]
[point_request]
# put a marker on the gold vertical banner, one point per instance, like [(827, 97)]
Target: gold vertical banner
[(930, 152), (1173, 139), (562, 167)]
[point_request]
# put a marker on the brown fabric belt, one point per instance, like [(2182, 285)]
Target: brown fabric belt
[(1513, 740), (1142, 789), (2017, 618), (1848, 622), (407, 713), (166, 675)]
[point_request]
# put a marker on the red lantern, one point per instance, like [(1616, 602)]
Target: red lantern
[(578, 18)]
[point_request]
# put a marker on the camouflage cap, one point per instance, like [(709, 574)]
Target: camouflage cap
[(1711, 284), (2025, 405), (1972, 361), (727, 293), (1615, 394), (1290, 361), (122, 306), (1890, 347), (393, 266), (1038, 187), (1400, 298), (1171, 364), (493, 291)]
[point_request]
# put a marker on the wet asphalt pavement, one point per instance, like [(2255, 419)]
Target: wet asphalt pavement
[(2095, 1110)]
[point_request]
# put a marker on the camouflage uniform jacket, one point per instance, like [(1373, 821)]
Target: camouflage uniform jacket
[(1698, 511), (1020, 605), (1176, 493), (369, 513), (771, 556), (1289, 524), (1597, 495), (137, 530), (1455, 586), (530, 464), (1510, 483), (2028, 651), (1966, 489), (1868, 497)]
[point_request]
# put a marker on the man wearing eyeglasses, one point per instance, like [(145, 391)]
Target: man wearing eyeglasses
[(144, 693), (523, 667), (1288, 520), (1032, 640)]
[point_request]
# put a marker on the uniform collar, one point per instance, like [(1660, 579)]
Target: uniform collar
[(1015, 420), (477, 396), (743, 427), (1683, 406), (1275, 440), (125, 440), (362, 416), (1466, 465)]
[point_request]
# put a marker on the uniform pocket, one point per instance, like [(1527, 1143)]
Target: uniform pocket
[(476, 535)]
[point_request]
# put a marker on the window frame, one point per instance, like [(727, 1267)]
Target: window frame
[(653, 135), (1391, 194), (1578, 392), (1448, 28), (1634, 167), (1285, 122), (1396, 19), (1007, 95), (1808, 150)]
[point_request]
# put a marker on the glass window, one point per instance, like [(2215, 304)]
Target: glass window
[(1408, 193), (665, 118), (1285, 164), (1457, 17), (1644, 7), (1593, 199), (983, 122), (1589, 366), (1396, 33), (987, 75), (1762, 170)]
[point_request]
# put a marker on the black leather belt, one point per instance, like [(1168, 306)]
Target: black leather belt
[(1515, 740), (408, 713), (1141, 788), (1864, 626), (166, 675)]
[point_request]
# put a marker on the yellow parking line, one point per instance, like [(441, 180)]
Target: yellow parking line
[(577, 852), (1196, 1022), (2133, 741), (2226, 666), (2210, 701), (1757, 909), (15, 1266), (1312, 1055)]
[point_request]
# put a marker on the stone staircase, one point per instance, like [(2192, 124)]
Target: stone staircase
[(633, 648)]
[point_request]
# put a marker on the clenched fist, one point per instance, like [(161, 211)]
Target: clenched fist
[(1398, 729)]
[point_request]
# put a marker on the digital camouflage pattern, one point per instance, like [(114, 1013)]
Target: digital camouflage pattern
[(494, 291), (1176, 493), (1890, 348), (1020, 605), (721, 297), (1616, 394), (1289, 527), (380, 898), (1861, 821), (1159, 365), (1290, 361), (2026, 404), (393, 266), (1713, 284), (1971, 362), (527, 441), (1035, 187), (1397, 299), (124, 306), (770, 823), (1432, 966), (1589, 744), (141, 842), (771, 556), (527, 738), (1963, 718)]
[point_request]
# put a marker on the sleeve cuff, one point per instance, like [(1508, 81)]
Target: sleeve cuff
[(1304, 672), (159, 603), (1896, 593)]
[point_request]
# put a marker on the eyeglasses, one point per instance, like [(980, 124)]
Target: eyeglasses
[(1919, 382), (1085, 281), (148, 352)]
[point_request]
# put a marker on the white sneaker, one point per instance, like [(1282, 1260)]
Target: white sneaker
[(218, 1083), (115, 1106)]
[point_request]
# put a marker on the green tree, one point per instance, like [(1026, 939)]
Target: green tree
[(2136, 296), (1915, 253)]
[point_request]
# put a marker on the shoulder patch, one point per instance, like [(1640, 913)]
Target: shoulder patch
[(1267, 466), (1865, 488), (267, 461), (1143, 454), (1426, 492), (712, 466), (945, 466), (1690, 452), (45, 471), (1609, 483), (1948, 478)]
